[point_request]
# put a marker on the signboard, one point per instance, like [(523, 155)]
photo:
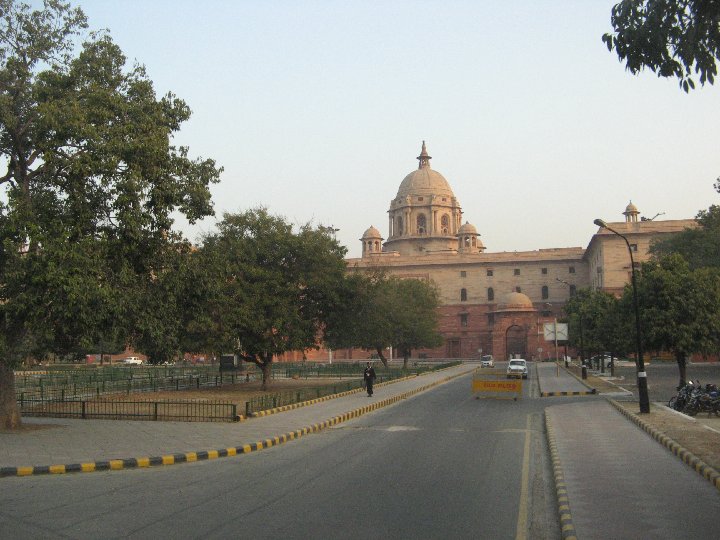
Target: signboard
[(494, 383), (549, 331)]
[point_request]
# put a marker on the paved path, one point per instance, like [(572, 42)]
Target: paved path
[(71, 441)]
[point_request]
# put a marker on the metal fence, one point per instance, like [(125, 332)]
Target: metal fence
[(176, 410), (64, 388)]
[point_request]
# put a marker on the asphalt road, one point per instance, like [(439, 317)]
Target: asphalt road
[(439, 465), (663, 378)]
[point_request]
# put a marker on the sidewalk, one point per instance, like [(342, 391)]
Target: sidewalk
[(60, 445)]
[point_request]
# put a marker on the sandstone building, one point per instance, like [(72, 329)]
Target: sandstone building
[(495, 303)]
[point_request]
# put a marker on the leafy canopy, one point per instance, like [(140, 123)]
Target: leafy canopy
[(673, 38)]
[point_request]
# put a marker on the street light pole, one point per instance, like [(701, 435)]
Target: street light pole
[(639, 362)]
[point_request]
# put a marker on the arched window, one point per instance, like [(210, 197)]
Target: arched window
[(545, 292), (467, 241), (421, 224), (399, 228), (491, 294), (377, 246), (463, 295), (445, 224)]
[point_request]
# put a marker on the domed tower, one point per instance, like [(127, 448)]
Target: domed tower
[(631, 213), (371, 242), (468, 239), (424, 215)]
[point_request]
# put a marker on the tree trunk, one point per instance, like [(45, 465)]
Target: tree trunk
[(682, 367), (406, 356), (266, 367), (381, 356), (9, 413)]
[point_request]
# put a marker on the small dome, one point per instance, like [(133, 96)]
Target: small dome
[(516, 301), (372, 232), (467, 228), (631, 209)]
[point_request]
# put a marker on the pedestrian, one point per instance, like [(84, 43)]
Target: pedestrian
[(369, 378)]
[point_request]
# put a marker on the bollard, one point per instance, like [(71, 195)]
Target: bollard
[(584, 372)]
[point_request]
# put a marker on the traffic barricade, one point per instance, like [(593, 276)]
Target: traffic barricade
[(495, 384)]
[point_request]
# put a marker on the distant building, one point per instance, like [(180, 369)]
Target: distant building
[(495, 303)]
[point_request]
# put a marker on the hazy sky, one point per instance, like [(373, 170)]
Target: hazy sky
[(317, 110)]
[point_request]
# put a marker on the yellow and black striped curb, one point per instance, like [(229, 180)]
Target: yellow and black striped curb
[(292, 406), (590, 392), (703, 469), (567, 528), (189, 457)]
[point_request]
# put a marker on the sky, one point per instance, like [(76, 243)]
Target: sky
[(318, 109)]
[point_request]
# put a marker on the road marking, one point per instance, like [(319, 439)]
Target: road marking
[(521, 531)]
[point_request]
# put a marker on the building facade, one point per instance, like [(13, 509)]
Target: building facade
[(495, 303)]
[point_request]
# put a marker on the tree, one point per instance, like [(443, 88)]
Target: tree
[(390, 311), (700, 247), (90, 183), (673, 38), (273, 290), (598, 323), (679, 308)]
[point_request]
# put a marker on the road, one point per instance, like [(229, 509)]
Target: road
[(439, 465)]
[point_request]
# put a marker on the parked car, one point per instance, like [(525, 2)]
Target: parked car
[(132, 361), (517, 368), (487, 361)]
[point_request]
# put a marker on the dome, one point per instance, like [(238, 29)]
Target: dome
[(372, 232), (631, 209), (516, 301), (424, 181), (467, 228)]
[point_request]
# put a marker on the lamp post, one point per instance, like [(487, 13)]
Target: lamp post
[(639, 362)]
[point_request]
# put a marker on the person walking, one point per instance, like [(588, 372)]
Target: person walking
[(369, 378)]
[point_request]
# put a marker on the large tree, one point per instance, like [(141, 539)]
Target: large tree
[(91, 180), (700, 247), (390, 312), (673, 38), (679, 308), (273, 288)]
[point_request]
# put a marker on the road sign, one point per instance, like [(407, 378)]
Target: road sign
[(494, 383), (549, 331)]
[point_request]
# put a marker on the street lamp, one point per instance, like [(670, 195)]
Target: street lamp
[(639, 362)]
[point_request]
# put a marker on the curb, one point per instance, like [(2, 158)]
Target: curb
[(703, 469), (591, 392), (567, 528), (189, 457)]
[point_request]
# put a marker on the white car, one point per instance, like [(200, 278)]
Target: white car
[(132, 360), (517, 368), (487, 361)]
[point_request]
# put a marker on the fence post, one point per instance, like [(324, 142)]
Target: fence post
[(234, 412), (247, 408), (83, 415), (155, 409)]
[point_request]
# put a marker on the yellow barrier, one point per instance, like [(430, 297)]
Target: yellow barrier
[(495, 382)]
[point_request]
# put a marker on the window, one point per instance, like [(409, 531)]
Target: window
[(518, 289), (545, 292), (445, 223), (572, 290), (463, 295), (463, 320), (491, 294), (571, 270), (420, 199), (463, 273), (543, 270), (516, 272), (633, 247), (399, 227), (489, 273), (599, 269), (421, 224)]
